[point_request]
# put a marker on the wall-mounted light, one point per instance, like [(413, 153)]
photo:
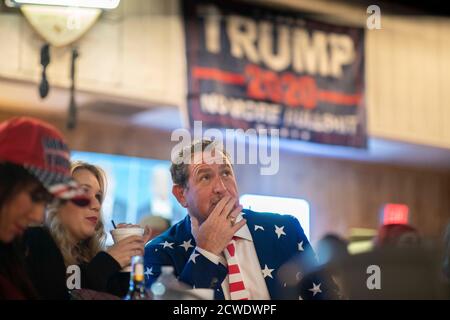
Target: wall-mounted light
[(100, 4), (394, 213), (62, 22)]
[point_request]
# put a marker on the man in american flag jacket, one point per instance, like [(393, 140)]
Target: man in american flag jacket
[(238, 253)]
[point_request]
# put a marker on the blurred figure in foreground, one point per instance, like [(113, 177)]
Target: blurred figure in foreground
[(400, 266)]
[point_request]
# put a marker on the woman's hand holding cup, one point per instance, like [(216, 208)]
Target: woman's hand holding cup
[(129, 241)]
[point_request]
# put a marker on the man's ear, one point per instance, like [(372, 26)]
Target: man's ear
[(178, 192)]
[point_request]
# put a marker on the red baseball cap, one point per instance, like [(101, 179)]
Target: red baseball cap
[(40, 149)]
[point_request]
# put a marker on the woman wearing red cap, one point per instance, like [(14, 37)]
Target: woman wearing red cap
[(75, 236), (34, 171)]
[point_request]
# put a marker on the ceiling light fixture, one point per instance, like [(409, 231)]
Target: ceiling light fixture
[(61, 23), (99, 4)]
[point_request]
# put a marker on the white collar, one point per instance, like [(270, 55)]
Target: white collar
[(243, 232)]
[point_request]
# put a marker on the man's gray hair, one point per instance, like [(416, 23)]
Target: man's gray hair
[(179, 169)]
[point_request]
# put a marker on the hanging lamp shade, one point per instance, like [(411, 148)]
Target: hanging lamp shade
[(60, 25)]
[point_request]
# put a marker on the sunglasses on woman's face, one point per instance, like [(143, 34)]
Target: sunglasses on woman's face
[(80, 201)]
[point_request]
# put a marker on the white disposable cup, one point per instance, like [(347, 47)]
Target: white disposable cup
[(122, 233)]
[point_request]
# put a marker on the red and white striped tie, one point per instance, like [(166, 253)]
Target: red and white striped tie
[(236, 283)]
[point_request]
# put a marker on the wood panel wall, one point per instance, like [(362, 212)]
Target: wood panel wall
[(342, 194)]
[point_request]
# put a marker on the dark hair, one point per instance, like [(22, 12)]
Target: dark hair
[(12, 266), (180, 170), (12, 178)]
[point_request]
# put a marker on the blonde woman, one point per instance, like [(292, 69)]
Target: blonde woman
[(73, 239)]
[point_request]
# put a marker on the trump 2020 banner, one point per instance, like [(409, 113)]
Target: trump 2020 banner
[(254, 67)]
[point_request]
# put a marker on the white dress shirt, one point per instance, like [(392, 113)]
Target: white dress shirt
[(248, 264)]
